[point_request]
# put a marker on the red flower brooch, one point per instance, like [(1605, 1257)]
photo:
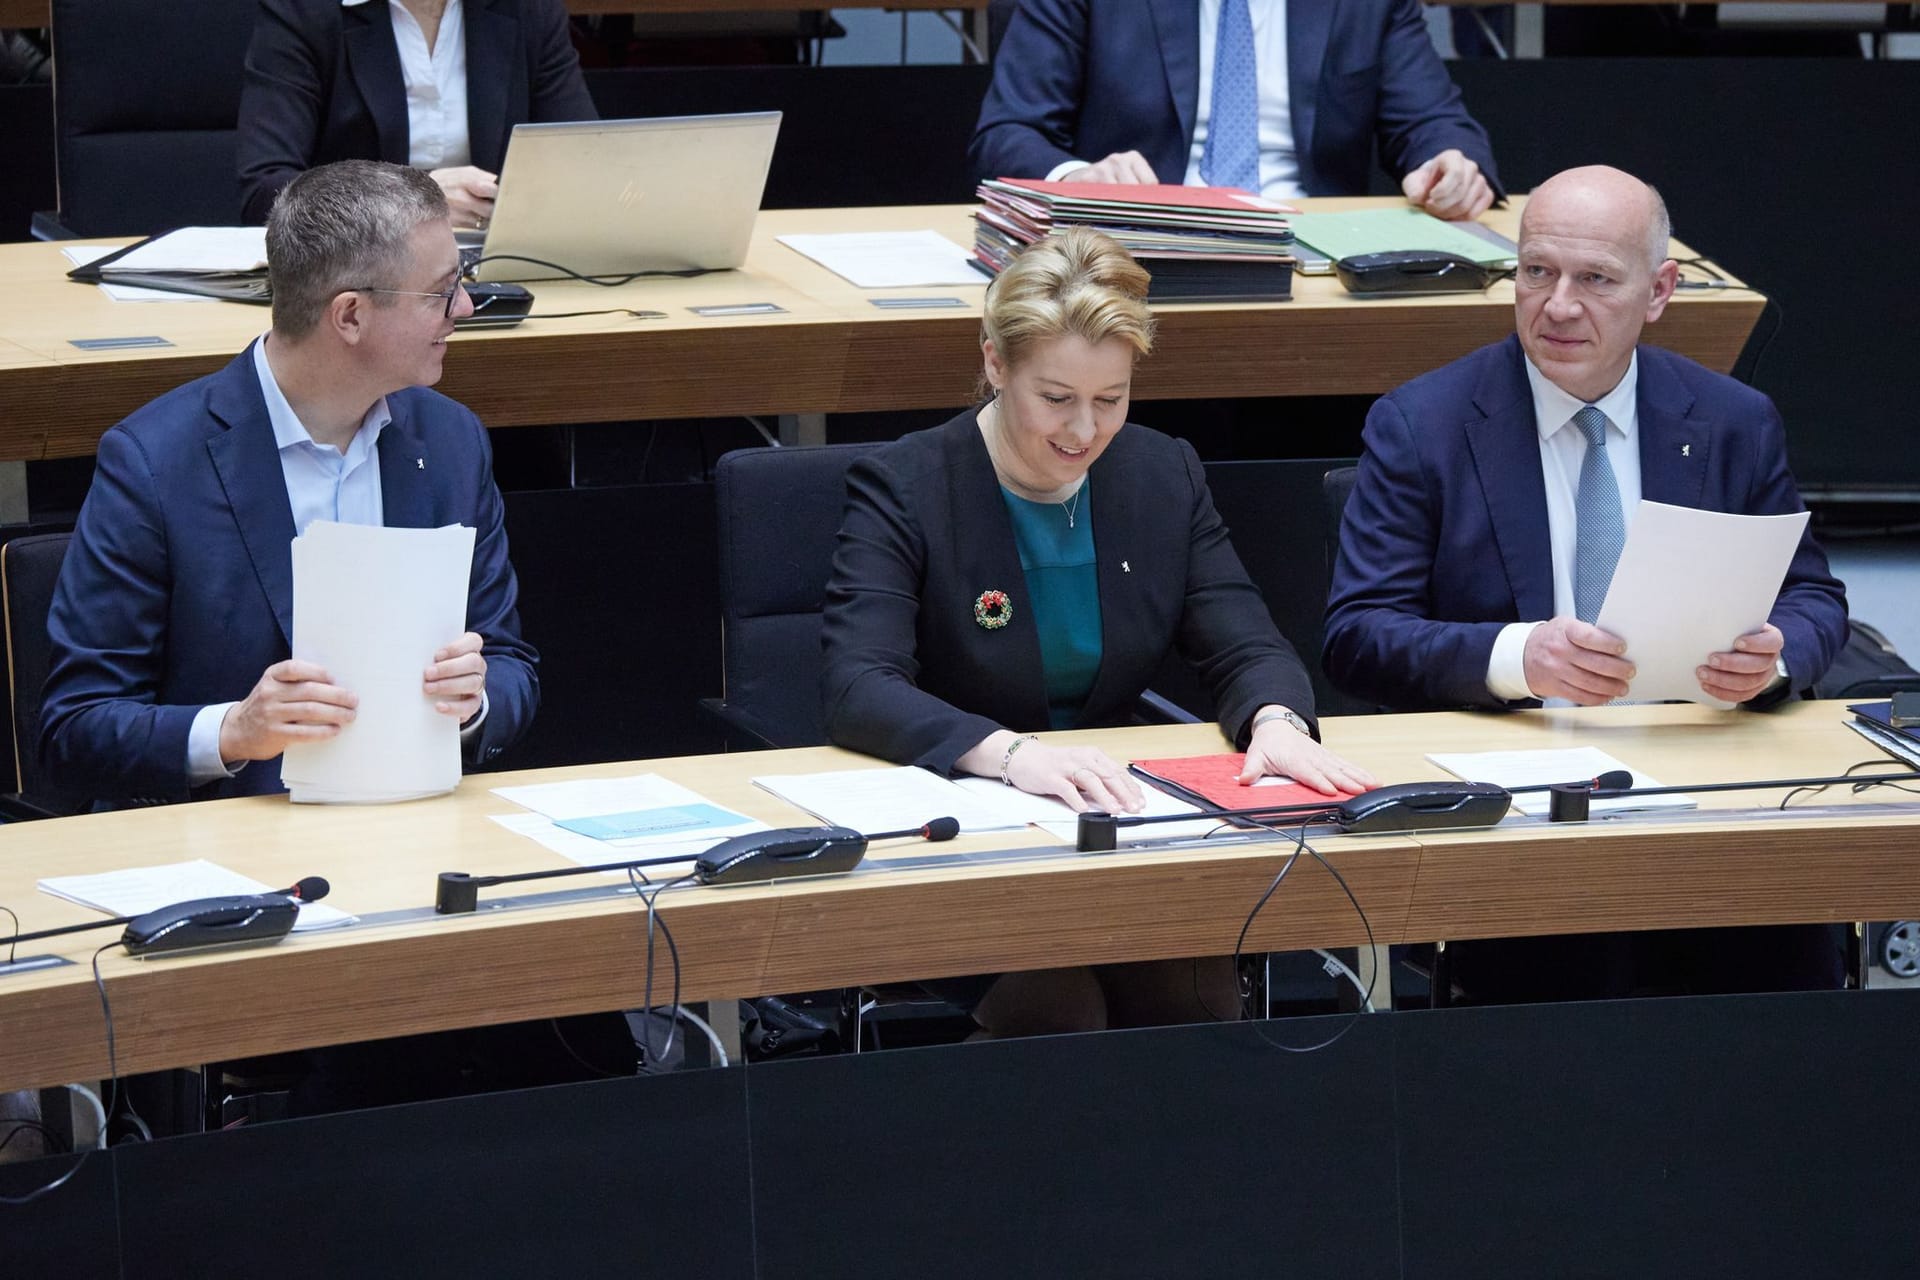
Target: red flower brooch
[(993, 610)]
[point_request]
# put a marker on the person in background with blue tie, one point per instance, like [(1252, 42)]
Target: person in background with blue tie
[(1281, 97), (1494, 497)]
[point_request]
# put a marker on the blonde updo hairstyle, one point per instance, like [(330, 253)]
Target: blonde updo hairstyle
[(1076, 281)]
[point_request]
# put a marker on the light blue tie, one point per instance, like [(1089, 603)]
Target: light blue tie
[(1232, 154), (1600, 528)]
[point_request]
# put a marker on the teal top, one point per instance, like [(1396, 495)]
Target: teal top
[(1064, 585)]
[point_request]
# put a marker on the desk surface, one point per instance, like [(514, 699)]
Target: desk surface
[(1731, 866), (830, 350)]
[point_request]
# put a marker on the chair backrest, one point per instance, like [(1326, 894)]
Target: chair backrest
[(779, 515), (1335, 488), (29, 568), (146, 96)]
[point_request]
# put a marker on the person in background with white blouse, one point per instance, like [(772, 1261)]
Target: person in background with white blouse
[(436, 84)]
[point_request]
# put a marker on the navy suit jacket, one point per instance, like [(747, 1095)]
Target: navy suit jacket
[(177, 591), (1081, 79), (911, 677), (323, 83), (1445, 537)]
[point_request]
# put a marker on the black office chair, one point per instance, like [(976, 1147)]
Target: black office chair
[(29, 569), (779, 512), (1335, 488), (145, 102)]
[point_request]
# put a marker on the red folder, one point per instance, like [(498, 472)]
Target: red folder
[(1213, 782)]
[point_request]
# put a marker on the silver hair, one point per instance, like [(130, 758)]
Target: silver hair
[(343, 226), (1659, 228)]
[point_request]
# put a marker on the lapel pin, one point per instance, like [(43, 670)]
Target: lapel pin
[(993, 610), (421, 463), (1686, 451), (1125, 567)]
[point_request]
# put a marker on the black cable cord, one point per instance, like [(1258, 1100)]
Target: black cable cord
[(1300, 845), (20, 1125), (610, 311), (608, 282), (640, 887), (1860, 787), (12, 942), (106, 1107)]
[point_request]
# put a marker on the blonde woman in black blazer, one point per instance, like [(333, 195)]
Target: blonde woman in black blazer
[(1028, 565)]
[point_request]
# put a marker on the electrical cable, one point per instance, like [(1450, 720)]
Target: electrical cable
[(640, 886), (607, 282), (13, 941), (610, 311), (1865, 784), (713, 1040)]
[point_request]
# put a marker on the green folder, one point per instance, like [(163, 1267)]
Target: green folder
[(1341, 235)]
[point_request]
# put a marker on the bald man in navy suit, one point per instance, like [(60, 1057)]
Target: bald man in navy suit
[(1459, 556)]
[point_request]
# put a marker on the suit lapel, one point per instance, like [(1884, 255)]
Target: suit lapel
[(493, 44), (247, 462), (1506, 454), (989, 559), (374, 60), (1308, 24), (406, 492), (1673, 445), (1178, 25)]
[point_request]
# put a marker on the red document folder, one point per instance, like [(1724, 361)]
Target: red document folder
[(1213, 782)]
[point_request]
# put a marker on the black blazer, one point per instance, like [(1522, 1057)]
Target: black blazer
[(911, 677), (323, 83)]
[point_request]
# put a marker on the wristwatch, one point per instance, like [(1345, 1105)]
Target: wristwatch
[(1293, 718)]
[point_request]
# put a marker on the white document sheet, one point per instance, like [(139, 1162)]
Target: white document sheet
[(372, 605), (142, 889), (1060, 822), (597, 819), (1537, 768), (1689, 584), (81, 254), (889, 259), (201, 249), (895, 799)]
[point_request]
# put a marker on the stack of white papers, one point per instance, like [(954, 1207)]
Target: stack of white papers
[(898, 799), (372, 605), (81, 254), (1062, 823), (201, 249), (1544, 768), (594, 820), (889, 259), (143, 889), (1726, 568)]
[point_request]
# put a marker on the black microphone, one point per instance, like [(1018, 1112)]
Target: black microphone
[(1611, 780), (937, 830), (757, 855), (310, 889)]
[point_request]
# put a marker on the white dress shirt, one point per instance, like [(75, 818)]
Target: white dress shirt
[(1279, 168), (436, 81), (1562, 451)]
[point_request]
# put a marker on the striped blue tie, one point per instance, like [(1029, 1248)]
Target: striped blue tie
[(1600, 528), (1232, 154)]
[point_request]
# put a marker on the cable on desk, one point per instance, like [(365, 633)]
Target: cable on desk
[(648, 1058), (610, 311), (1865, 784), (607, 282), (12, 942)]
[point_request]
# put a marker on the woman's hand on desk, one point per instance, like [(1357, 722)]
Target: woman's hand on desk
[(1277, 747), (470, 194), (1081, 778)]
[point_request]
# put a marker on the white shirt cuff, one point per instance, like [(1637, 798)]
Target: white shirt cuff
[(204, 764), (1507, 664), (1061, 170), (472, 727)]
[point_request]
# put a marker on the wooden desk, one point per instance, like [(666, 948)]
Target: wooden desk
[(830, 350), (500, 965)]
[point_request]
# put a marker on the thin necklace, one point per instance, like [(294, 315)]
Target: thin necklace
[(1072, 504)]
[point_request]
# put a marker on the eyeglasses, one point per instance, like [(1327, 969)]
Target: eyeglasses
[(446, 295)]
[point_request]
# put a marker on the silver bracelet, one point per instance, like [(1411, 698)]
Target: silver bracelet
[(1293, 718), (1006, 757)]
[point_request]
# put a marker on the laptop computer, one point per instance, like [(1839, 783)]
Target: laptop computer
[(618, 197)]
